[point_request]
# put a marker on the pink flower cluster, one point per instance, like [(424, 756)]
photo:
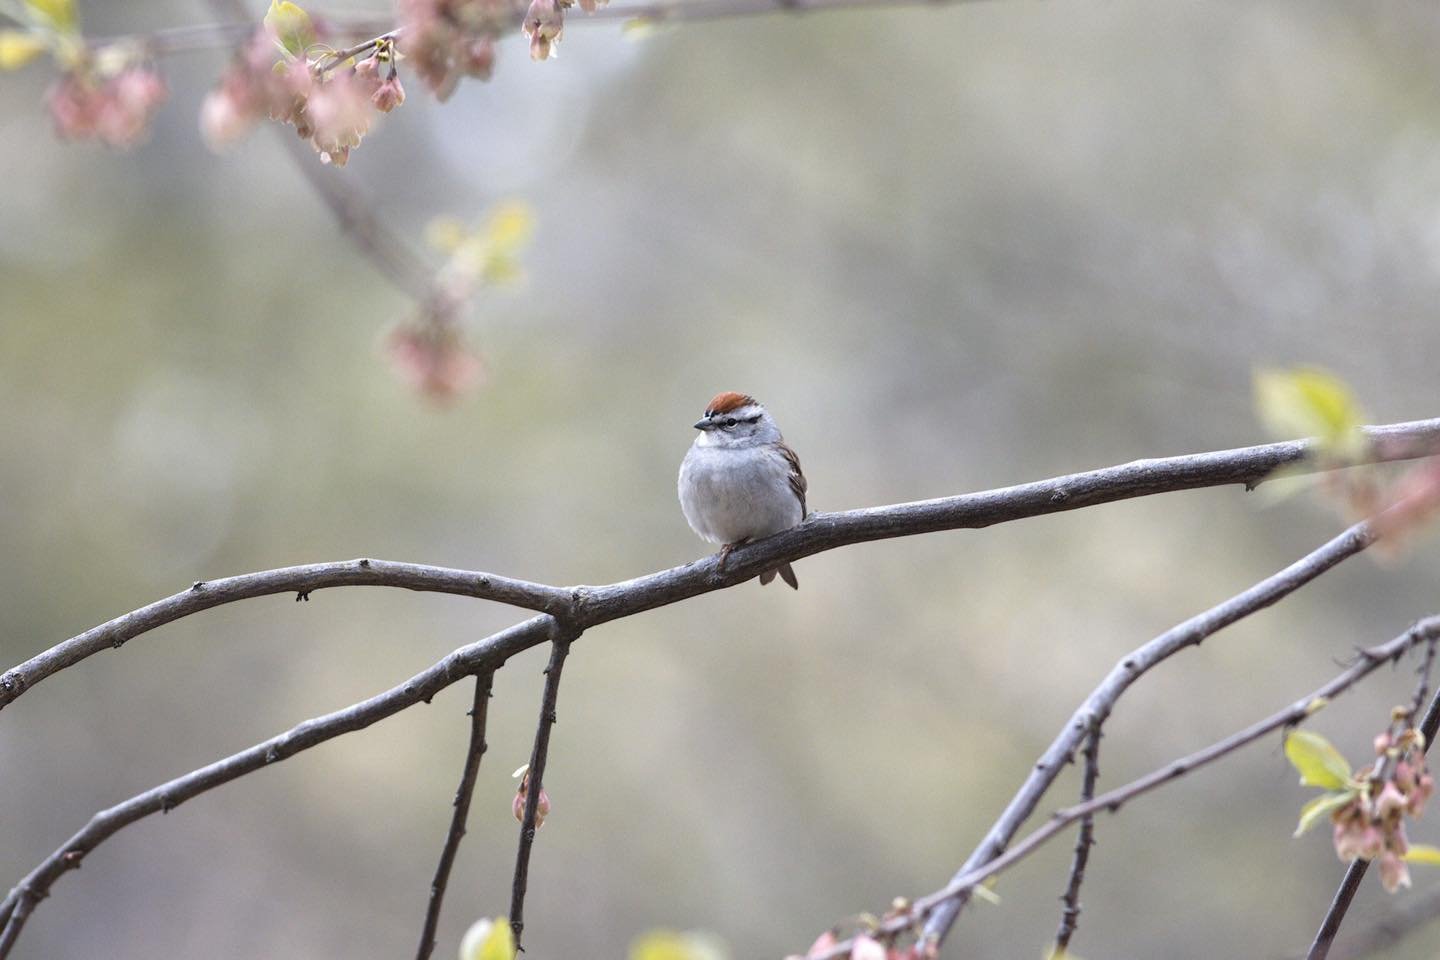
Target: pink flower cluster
[(445, 40), (866, 947), (545, 22), (433, 357), (1372, 825), (115, 109), (331, 108)]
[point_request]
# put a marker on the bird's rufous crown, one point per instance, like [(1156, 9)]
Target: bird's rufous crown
[(725, 402)]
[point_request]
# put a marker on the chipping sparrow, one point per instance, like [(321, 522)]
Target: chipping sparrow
[(740, 481)]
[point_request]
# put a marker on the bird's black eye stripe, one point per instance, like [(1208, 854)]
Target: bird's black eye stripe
[(754, 419)]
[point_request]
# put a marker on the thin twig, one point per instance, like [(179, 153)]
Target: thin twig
[(483, 655), (1296, 713), (1084, 840), (185, 38), (559, 649), (483, 684), (1100, 702), (819, 532), (1412, 913), (1355, 872), (301, 581)]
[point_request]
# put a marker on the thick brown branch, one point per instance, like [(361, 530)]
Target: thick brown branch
[(1355, 872), (301, 581), (535, 773), (476, 750), (578, 609), (820, 532)]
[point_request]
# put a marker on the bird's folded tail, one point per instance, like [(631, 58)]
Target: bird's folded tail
[(786, 573)]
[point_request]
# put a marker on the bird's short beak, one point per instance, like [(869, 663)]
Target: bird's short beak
[(704, 423)]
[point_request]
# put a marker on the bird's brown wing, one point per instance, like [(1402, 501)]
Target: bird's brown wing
[(797, 479)]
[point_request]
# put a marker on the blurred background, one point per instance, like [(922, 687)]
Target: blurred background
[(950, 247)]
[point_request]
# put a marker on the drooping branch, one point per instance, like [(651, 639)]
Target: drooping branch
[(483, 684), (483, 655), (1084, 840), (1367, 661), (1355, 872), (301, 581), (391, 254), (1096, 708), (820, 532), (534, 779)]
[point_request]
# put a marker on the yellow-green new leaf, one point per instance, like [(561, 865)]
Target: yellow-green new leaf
[(59, 14), (1310, 402), (1321, 807), (986, 892), (1319, 763), (488, 940), (509, 227), (1423, 853), (18, 48), (670, 945), (290, 26)]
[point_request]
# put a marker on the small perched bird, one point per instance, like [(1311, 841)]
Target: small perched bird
[(740, 481)]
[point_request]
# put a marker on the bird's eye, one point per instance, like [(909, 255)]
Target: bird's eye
[(729, 421)]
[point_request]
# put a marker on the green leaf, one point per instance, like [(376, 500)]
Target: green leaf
[(59, 14), (290, 27), (508, 228), (1321, 807), (669, 945), (1311, 402), (1319, 763), (986, 891), (638, 28), (1423, 853), (18, 48), (488, 940)]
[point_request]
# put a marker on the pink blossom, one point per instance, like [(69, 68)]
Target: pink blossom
[(434, 359), (389, 95), (1394, 873), (542, 804), (823, 944), (866, 947), (115, 110), (1390, 802), (339, 112), (544, 24)]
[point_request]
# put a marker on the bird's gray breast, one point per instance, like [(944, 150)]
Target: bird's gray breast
[(731, 494)]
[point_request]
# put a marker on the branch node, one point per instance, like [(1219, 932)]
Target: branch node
[(197, 586)]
